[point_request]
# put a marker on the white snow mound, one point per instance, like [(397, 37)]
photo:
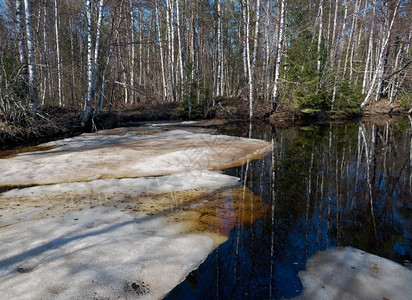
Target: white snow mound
[(349, 273)]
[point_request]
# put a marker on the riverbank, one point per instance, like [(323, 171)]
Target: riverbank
[(54, 123)]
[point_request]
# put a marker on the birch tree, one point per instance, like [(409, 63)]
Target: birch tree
[(279, 43), (132, 54), (320, 35), (183, 51), (58, 57), (219, 54), (92, 59), (368, 64), (170, 37), (377, 77), (30, 55), (179, 46), (160, 42), (254, 57), (20, 35)]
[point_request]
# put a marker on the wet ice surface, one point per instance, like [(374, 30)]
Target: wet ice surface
[(99, 225), (349, 273), (99, 253), (99, 156)]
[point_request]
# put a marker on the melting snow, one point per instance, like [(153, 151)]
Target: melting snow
[(97, 156), (349, 273), (99, 225)]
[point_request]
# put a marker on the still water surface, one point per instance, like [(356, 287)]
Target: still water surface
[(326, 185)]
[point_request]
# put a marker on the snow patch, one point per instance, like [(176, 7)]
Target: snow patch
[(98, 253), (97, 156), (349, 273)]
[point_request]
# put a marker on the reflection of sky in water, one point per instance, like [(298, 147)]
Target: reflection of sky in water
[(262, 260)]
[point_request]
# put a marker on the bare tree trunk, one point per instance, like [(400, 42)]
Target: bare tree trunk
[(73, 80), (89, 94), (30, 56), (253, 66), (133, 46), (379, 69), (246, 53), (355, 43), (159, 38), (278, 54), (170, 44), (350, 40), (366, 75), (339, 49), (20, 35), (140, 48), (245, 41), (46, 70), (92, 61), (59, 60), (186, 81), (179, 45), (219, 55), (335, 24), (265, 81), (320, 36), (102, 88)]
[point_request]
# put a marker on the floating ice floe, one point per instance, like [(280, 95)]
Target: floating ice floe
[(95, 225), (97, 156), (349, 273)]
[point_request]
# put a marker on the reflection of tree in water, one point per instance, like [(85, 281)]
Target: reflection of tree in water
[(326, 186)]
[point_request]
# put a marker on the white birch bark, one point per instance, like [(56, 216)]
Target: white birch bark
[(59, 60), (219, 54), (369, 58), (339, 49), (279, 43), (247, 37), (350, 40), (170, 38), (335, 22), (140, 48), (186, 81), (97, 42), (320, 36), (46, 73), (246, 53), (133, 46), (20, 34), (253, 65), (378, 71), (30, 55), (179, 46), (355, 43), (245, 41), (159, 39), (73, 79), (265, 81), (92, 60), (89, 93)]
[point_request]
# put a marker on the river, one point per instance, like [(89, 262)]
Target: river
[(326, 185)]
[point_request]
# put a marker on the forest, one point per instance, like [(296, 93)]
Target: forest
[(286, 55)]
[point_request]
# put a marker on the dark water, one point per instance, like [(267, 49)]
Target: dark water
[(338, 184)]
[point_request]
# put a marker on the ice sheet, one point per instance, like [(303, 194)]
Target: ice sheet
[(117, 238), (98, 253), (100, 156), (118, 214), (349, 273)]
